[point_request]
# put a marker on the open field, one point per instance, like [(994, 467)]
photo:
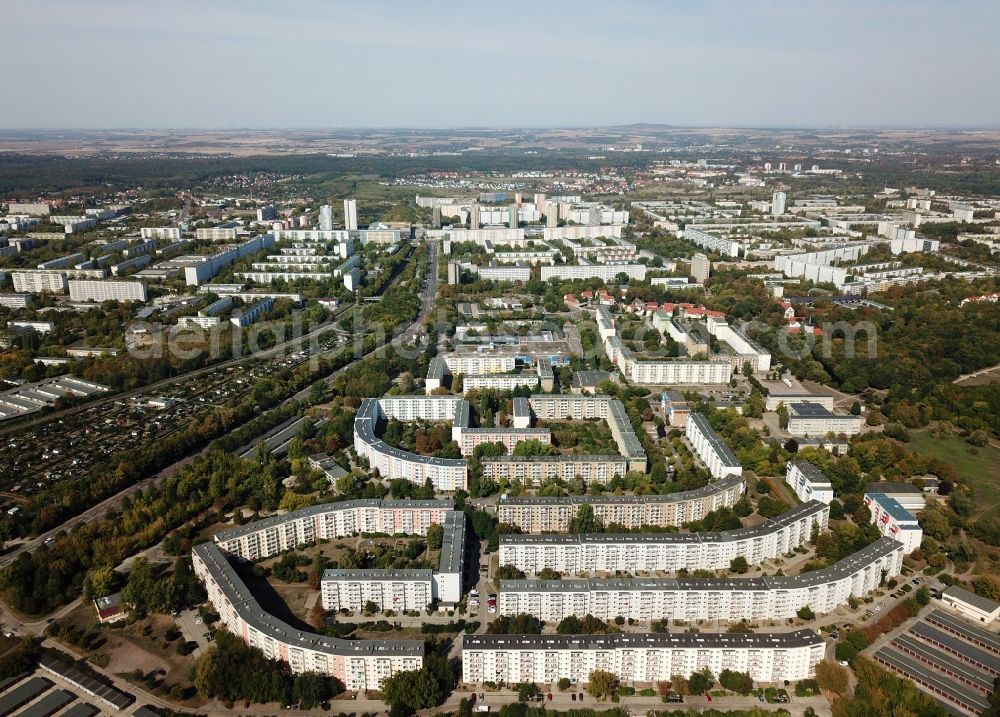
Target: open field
[(980, 470)]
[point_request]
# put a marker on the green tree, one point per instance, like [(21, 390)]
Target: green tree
[(569, 625), (782, 412), (310, 689), (585, 520), (435, 536), (602, 684), (701, 682), (527, 691), (412, 690), (739, 682), (805, 613), (739, 565)]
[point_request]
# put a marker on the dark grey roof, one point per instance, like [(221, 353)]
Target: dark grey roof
[(811, 472), (707, 640), (722, 450), (977, 601), (807, 409), (452, 543), (250, 611)]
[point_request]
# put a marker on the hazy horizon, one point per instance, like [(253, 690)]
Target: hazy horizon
[(312, 65)]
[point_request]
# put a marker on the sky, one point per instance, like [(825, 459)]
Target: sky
[(451, 63)]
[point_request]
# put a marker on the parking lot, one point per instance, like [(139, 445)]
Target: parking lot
[(950, 658), (193, 629)]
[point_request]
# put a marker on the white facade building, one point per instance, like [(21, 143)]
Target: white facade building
[(776, 597), (894, 521), (84, 290), (644, 658), (808, 482), (542, 514), (359, 664), (718, 457), (605, 272), (652, 552)]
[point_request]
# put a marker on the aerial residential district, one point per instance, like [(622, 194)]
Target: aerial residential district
[(633, 426)]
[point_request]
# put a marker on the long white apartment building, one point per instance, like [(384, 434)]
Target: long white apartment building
[(479, 363), (499, 381), (577, 232), (500, 272), (808, 482), (215, 234), (101, 290), (543, 514), (161, 233), (535, 470), (774, 597), (40, 282), (655, 552), (605, 272), (359, 664), (746, 349), (269, 536), (208, 266), (642, 658), (278, 533), (446, 474), (469, 439), (713, 241), (710, 447), (387, 589), (661, 373)]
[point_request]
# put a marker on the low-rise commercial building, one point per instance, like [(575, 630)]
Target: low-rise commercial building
[(974, 607), (812, 419), (644, 658), (655, 552)]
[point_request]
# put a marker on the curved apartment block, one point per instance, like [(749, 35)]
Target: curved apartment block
[(642, 658), (652, 552), (359, 664), (552, 515), (445, 474), (732, 599)]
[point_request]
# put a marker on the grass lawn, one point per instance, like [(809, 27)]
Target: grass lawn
[(980, 470), (586, 437)]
